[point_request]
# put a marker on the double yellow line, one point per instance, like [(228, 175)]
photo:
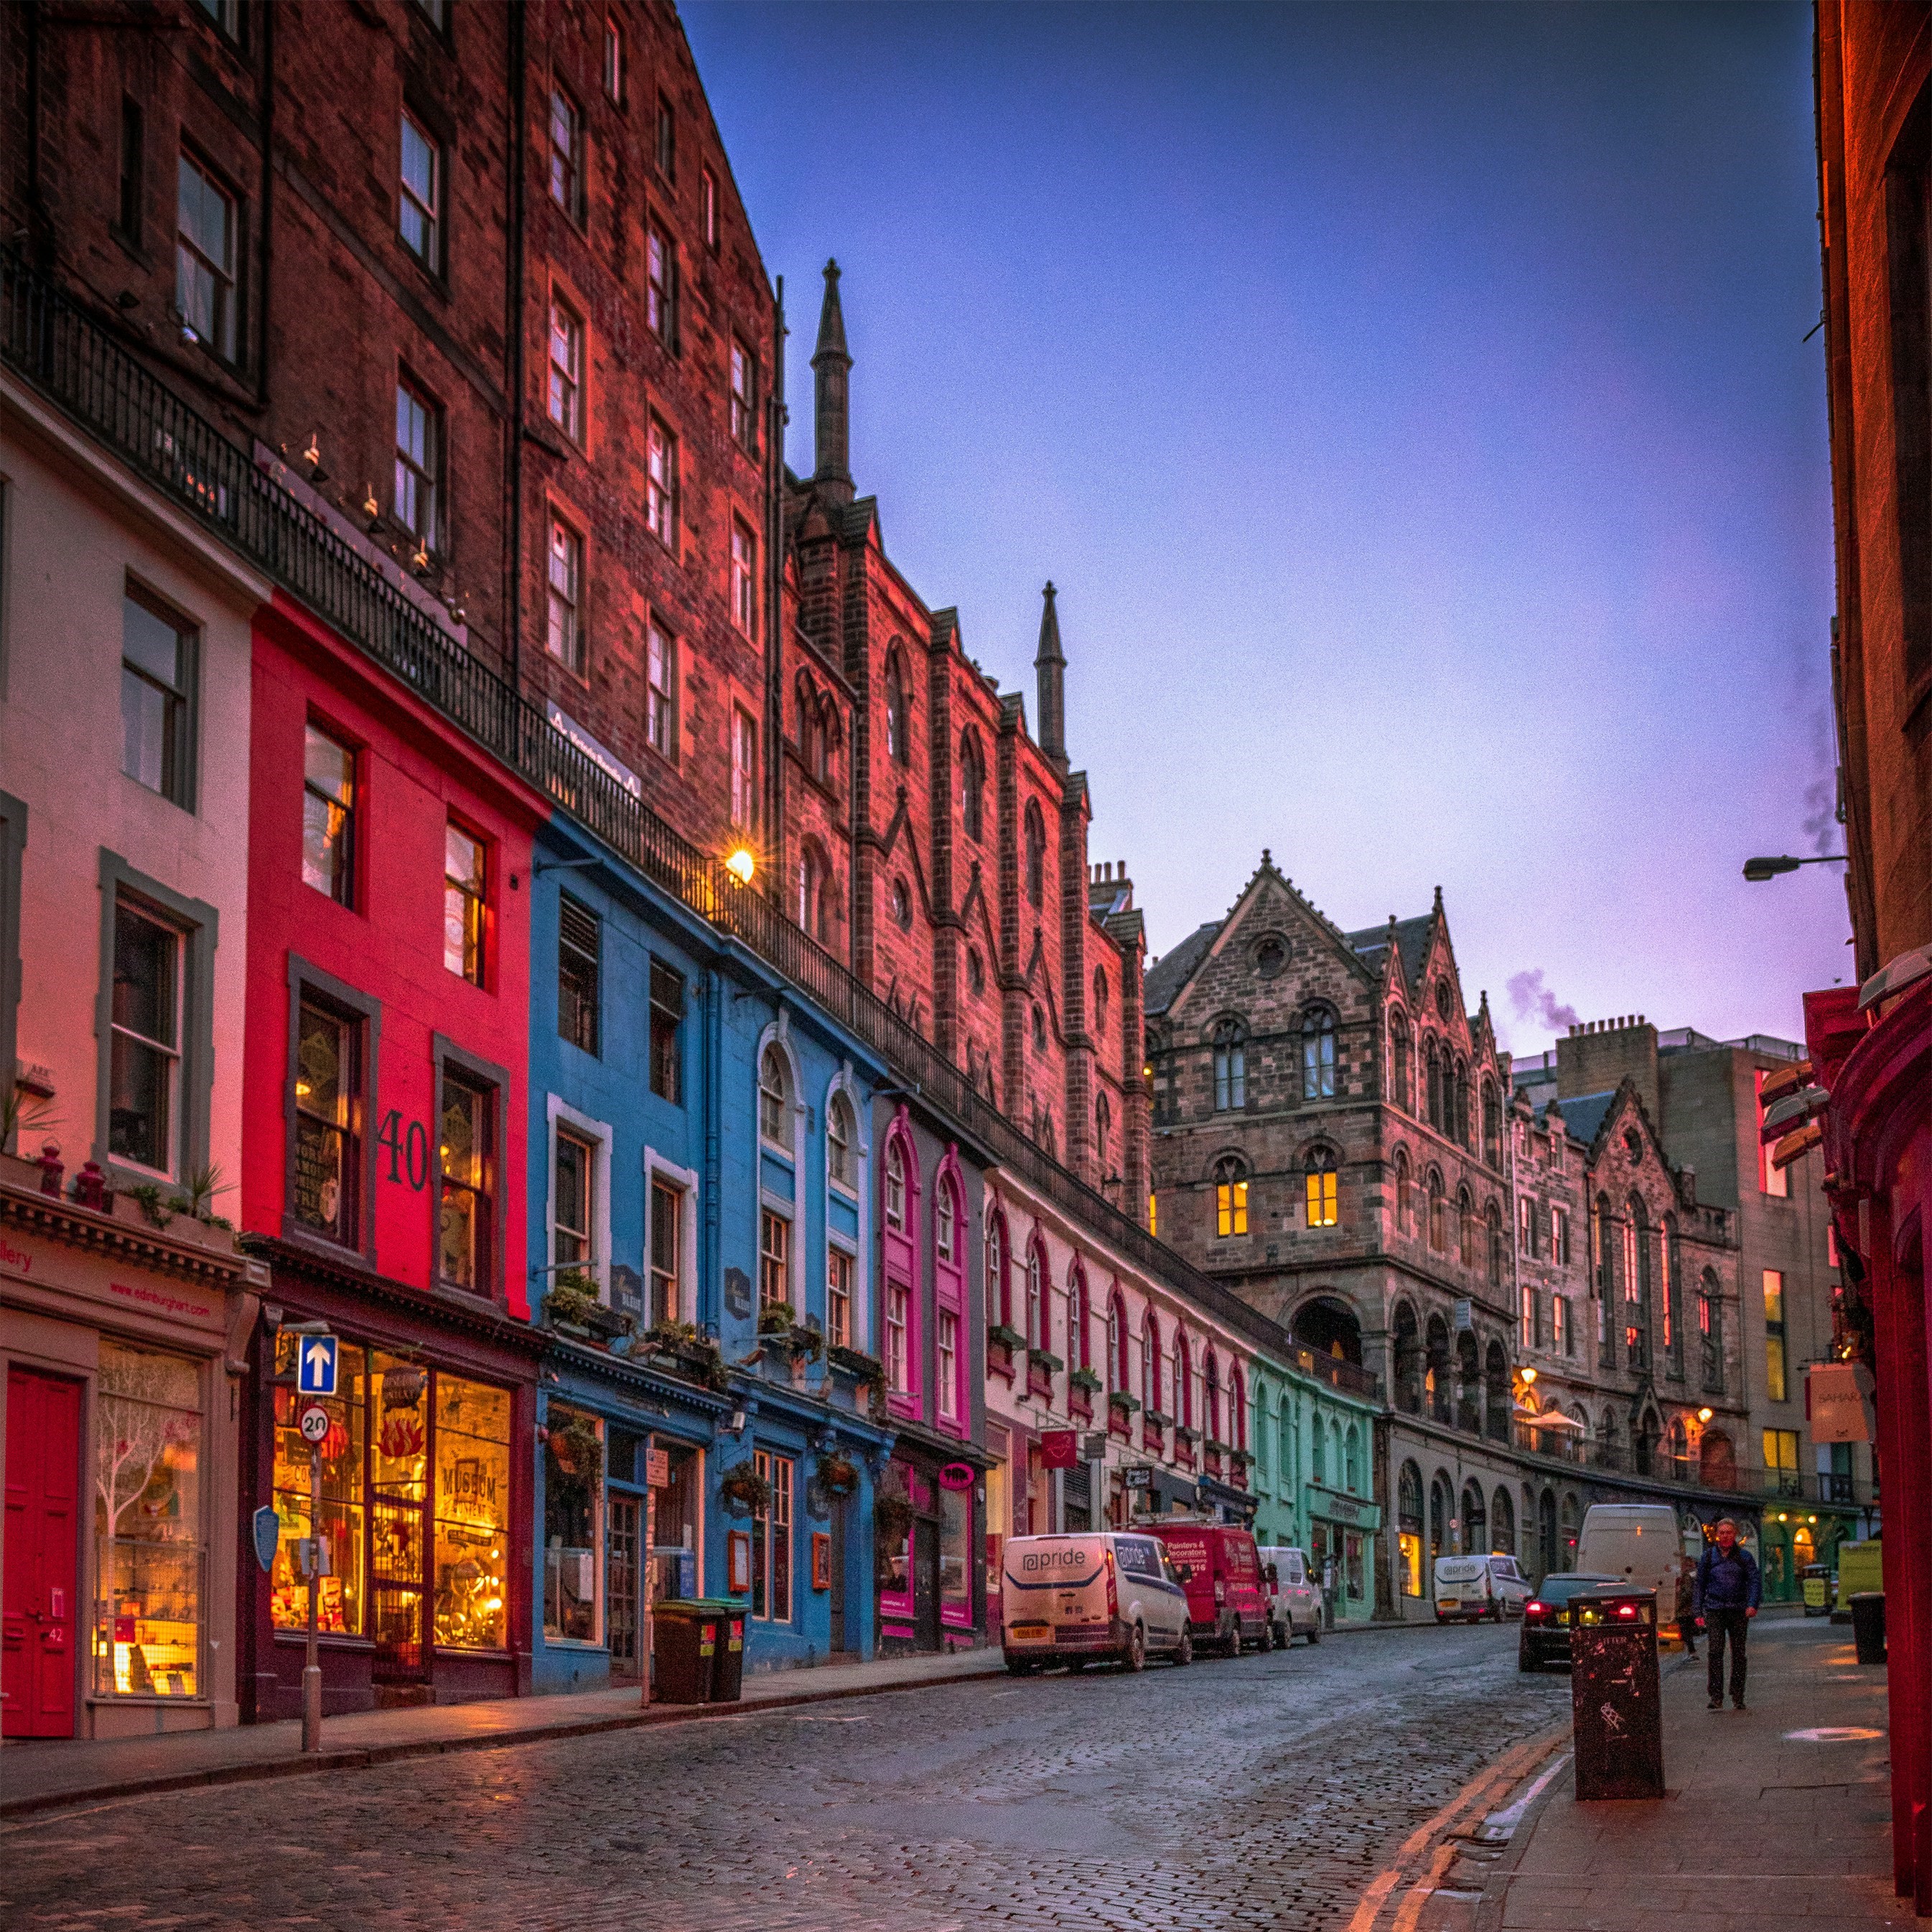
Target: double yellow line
[(1474, 1800)]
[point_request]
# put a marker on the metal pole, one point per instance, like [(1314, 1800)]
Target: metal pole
[(648, 1582), (312, 1669)]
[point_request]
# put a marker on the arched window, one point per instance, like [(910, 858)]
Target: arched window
[(1116, 1346), (1352, 1460), (1468, 1384), (841, 1152), (1103, 1134), (1408, 1528), (1238, 1408), (1230, 1066), (1493, 1216), (1492, 1124), (1710, 1335), (1078, 1352), (1431, 1063), (1439, 1381), (814, 900), (1649, 1433), (1040, 1029), (1465, 1228), (1668, 1313), (1475, 1518), (1183, 1379), (1438, 1218), (1599, 1244), (1440, 1509), (1460, 1127), (1318, 1056), (1497, 1401), (1398, 1094), (999, 1292), (775, 1097), (896, 1186), (1637, 1285), (1036, 1316), (1319, 1187), (1405, 1203), (946, 1223), (1502, 1524), (1035, 856), (1150, 1364), (972, 787), (1211, 1408), (899, 711), (1408, 1360), (1231, 1195), (1100, 996)]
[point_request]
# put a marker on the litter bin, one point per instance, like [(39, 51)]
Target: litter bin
[(1815, 1580), (1616, 1701), (687, 1631), (727, 1663), (1868, 1625)]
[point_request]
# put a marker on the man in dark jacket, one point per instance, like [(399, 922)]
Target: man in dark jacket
[(1728, 1593)]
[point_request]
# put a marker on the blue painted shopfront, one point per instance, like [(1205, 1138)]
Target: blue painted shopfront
[(701, 1184)]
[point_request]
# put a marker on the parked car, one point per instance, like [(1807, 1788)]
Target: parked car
[(1072, 1599), (1546, 1618), (1472, 1588), (1638, 1544), (1292, 1595), (1221, 1571)]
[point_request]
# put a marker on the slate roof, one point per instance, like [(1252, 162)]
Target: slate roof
[(1584, 1116), (1412, 938), (1171, 971)]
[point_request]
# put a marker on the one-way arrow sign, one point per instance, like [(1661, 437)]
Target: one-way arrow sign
[(315, 1371)]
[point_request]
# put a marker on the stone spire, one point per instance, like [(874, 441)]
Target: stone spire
[(831, 371), (1049, 666)]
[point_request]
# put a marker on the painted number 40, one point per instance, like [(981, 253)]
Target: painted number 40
[(408, 1148)]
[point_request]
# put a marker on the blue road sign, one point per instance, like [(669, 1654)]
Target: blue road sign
[(268, 1536), (315, 1365)]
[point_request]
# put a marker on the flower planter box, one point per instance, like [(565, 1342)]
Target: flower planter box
[(1079, 1404), (999, 1359), (1152, 1436), (1039, 1380), (1120, 1423)]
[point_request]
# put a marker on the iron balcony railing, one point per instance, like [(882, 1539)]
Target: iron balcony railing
[(71, 360)]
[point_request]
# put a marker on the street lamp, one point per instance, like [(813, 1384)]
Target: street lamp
[(1703, 1415), (1758, 870), (742, 864)]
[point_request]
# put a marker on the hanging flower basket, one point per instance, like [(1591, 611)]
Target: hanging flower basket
[(577, 1449), (892, 1512), (856, 1362), (838, 1475), (745, 1492)]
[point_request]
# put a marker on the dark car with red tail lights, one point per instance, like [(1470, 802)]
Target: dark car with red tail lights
[(1545, 1618)]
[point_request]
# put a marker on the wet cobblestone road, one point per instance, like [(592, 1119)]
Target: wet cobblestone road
[(1261, 1791)]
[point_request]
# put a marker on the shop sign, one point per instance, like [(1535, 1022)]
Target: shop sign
[(1094, 1446), (1059, 1449), (1349, 1509), (1141, 1478), (956, 1476), (657, 1469), (1838, 1402)]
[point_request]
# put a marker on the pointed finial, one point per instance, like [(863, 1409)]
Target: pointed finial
[(831, 380), (1268, 857), (1438, 899), (1050, 677)]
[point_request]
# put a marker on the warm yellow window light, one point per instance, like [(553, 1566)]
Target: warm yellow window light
[(742, 864)]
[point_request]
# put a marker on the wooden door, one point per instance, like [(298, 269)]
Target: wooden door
[(38, 1649), (838, 1604), (925, 1584)]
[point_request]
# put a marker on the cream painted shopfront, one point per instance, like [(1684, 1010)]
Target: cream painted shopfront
[(120, 1343)]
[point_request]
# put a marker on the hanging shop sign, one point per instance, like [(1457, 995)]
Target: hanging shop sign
[(1059, 1449), (1838, 1402), (956, 1476)]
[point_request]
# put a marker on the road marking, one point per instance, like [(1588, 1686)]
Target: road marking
[(1412, 1906)]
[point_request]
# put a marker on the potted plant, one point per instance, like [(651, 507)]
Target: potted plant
[(1087, 1380), (745, 1492), (862, 1367), (1119, 1399), (577, 1450), (1002, 1336), (572, 1295), (838, 1475)]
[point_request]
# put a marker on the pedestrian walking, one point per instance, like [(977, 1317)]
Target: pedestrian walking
[(1687, 1601), (1728, 1593)]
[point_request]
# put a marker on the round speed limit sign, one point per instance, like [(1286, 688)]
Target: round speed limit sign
[(314, 1423)]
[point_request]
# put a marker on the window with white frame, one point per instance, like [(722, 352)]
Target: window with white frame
[(896, 1187), (667, 1242), (573, 1199), (771, 1541), (775, 1098), (946, 1223), (948, 1365), (839, 1271), (419, 209), (1036, 1300), (842, 1154), (898, 1350), (205, 258), (660, 690), (774, 1260), (145, 1055)]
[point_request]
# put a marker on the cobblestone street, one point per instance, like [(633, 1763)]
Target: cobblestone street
[(1260, 1791)]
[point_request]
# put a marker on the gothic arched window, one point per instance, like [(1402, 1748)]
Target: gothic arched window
[(972, 788), (1399, 1092), (1035, 856), (1318, 1056), (899, 711), (1231, 1195), (1230, 1066), (1319, 1186)]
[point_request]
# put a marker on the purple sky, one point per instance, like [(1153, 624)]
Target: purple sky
[(1412, 408)]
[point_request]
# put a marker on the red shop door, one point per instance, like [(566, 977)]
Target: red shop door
[(36, 1615)]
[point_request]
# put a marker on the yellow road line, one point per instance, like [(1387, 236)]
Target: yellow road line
[(1412, 1906)]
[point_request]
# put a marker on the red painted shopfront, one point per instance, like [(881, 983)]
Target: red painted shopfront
[(384, 1137)]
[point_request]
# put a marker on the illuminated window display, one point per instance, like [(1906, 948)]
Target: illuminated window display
[(573, 1517), (147, 1524), (402, 1549)]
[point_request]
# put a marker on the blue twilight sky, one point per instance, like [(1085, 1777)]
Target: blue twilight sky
[(1412, 407)]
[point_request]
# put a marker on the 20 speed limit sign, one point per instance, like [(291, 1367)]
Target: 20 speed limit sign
[(314, 1423)]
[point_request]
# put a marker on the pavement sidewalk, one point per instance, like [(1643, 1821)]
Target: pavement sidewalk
[(1778, 1816), (35, 1776)]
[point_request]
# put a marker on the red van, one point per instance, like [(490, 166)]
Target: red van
[(1222, 1572)]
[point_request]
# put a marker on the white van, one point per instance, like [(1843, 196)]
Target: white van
[(1071, 1599), (1641, 1544), (1475, 1587), (1293, 1597)]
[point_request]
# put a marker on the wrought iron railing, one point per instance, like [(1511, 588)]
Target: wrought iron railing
[(70, 359)]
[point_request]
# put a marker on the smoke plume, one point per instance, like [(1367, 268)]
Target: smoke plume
[(1533, 1001)]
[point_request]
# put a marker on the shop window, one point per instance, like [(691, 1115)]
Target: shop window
[(464, 902), (674, 1569), (573, 1526), (466, 1212), (666, 1016), (325, 1186), (341, 1596), (837, 1297), (470, 1601), (666, 1237), (774, 1260), (579, 962), (147, 1524), (573, 1199), (157, 691), (771, 1542), (328, 816), (956, 1567)]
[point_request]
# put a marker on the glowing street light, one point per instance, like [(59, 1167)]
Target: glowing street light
[(742, 864), (1703, 1415)]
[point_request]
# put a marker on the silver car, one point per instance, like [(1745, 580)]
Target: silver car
[(1293, 1597)]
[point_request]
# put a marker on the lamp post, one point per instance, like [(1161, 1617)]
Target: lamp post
[(1758, 870)]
